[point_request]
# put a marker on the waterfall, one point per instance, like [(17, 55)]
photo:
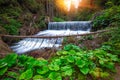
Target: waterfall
[(54, 29), (72, 25)]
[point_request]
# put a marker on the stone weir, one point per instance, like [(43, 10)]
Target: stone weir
[(54, 29), (71, 25)]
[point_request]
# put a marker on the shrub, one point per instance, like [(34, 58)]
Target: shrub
[(107, 17), (84, 14), (71, 62), (56, 19), (12, 27)]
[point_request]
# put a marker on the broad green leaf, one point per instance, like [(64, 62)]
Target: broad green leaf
[(62, 52), (12, 74), (54, 67), (66, 71), (37, 77), (85, 70), (11, 59), (113, 57), (23, 58), (70, 59), (3, 64), (72, 52), (57, 61), (110, 66), (76, 48), (42, 62), (3, 70), (26, 75), (79, 53), (55, 76), (80, 63), (43, 70), (101, 62), (68, 47), (32, 62)]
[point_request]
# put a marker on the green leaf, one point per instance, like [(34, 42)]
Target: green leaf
[(113, 57), (110, 66), (54, 67), (3, 70), (9, 79), (43, 70), (37, 77), (23, 58), (68, 47), (101, 62), (55, 76), (3, 64), (62, 52), (12, 74), (105, 74), (80, 63), (70, 59), (66, 71), (26, 75), (42, 62), (85, 70), (72, 52), (11, 59), (65, 52), (76, 48)]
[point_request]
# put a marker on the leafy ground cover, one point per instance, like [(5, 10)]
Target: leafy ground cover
[(69, 64)]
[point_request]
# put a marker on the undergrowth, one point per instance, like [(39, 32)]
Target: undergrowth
[(71, 63)]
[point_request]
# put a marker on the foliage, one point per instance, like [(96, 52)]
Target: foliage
[(56, 19), (42, 23), (13, 14), (68, 63), (113, 2), (12, 27), (107, 17), (84, 14), (113, 44)]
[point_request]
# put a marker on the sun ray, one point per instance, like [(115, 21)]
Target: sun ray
[(67, 5)]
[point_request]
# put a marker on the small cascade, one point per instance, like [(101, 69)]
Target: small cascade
[(72, 25), (54, 29)]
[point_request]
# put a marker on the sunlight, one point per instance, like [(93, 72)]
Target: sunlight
[(70, 3), (67, 4), (76, 3)]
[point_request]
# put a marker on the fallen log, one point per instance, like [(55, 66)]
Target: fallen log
[(57, 36)]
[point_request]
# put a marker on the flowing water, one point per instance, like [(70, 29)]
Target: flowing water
[(54, 29)]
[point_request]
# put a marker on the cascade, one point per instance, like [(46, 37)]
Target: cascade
[(72, 25), (54, 29)]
